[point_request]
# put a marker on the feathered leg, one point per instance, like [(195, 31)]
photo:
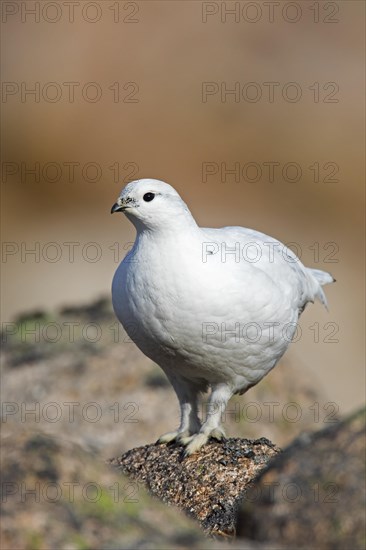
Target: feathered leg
[(189, 420)]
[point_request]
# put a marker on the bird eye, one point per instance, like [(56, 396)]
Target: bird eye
[(148, 197)]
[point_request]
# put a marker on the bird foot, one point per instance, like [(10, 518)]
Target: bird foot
[(172, 437), (194, 442)]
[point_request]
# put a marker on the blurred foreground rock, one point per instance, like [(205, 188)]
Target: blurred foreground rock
[(57, 495), (312, 494), (208, 485)]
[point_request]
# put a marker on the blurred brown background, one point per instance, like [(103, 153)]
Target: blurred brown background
[(161, 54)]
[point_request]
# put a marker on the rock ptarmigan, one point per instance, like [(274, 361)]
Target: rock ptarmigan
[(214, 308)]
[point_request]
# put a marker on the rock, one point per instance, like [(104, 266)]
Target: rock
[(312, 494), (208, 485)]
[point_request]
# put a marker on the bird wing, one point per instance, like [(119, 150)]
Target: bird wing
[(278, 261)]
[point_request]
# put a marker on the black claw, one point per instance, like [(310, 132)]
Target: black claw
[(182, 455), (222, 439)]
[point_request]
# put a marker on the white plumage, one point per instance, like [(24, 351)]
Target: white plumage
[(214, 308)]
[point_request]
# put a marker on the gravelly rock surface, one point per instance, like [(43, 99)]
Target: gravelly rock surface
[(207, 485)]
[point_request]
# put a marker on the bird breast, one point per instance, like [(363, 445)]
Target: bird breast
[(175, 306)]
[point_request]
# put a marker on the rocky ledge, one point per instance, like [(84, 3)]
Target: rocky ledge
[(208, 485)]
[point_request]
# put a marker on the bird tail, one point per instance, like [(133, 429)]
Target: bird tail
[(323, 278)]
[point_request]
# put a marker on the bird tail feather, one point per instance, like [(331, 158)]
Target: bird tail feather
[(323, 278)]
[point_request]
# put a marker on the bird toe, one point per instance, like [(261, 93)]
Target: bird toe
[(195, 443), (218, 433), (169, 437)]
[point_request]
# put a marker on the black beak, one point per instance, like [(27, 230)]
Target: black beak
[(116, 208)]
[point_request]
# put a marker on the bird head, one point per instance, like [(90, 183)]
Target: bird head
[(152, 204)]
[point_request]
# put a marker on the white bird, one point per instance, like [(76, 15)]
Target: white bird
[(214, 308)]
